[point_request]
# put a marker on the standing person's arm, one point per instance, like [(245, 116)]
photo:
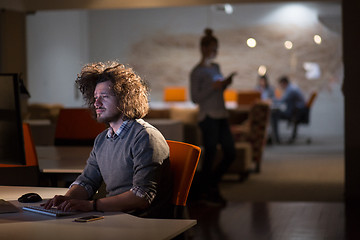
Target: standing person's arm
[(225, 83)]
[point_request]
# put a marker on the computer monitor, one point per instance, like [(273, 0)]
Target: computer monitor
[(11, 132)]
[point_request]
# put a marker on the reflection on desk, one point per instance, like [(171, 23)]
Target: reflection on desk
[(115, 225)]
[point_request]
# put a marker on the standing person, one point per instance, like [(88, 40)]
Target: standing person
[(207, 89), (294, 102), (266, 90), (131, 157)]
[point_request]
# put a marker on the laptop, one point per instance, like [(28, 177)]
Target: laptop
[(7, 207)]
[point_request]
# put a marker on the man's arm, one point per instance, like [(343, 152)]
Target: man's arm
[(122, 202), (76, 197), (77, 192)]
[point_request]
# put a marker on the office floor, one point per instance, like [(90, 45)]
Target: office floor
[(269, 220), (297, 195)]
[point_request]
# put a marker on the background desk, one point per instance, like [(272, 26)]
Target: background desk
[(62, 159), (28, 225), (171, 129), (187, 114), (62, 164)]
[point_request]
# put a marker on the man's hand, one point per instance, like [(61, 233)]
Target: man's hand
[(76, 205), (55, 201), (71, 200), (66, 204)]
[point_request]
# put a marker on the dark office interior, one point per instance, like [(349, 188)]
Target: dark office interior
[(271, 204)]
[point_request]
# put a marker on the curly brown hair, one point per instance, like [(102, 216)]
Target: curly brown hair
[(131, 91)]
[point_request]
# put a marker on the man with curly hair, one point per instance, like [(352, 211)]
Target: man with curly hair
[(131, 157)]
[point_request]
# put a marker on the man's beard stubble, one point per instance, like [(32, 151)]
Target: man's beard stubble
[(108, 119)]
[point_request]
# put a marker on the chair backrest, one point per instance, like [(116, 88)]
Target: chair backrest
[(184, 158), (174, 94), (302, 116), (248, 97), (278, 93), (30, 151), (230, 95), (22, 175), (75, 126), (311, 100)]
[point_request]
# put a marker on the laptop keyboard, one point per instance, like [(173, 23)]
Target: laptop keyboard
[(51, 212)]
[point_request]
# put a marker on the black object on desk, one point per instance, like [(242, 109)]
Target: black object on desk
[(30, 198)]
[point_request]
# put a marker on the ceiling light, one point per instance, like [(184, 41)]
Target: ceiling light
[(293, 13), (262, 70), (288, 44), (251, 42), (317, 39)]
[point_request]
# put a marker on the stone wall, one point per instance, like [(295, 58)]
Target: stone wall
[(166, 60)]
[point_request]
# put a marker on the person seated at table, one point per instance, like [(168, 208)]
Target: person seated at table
[(292, 100), (131, 157), (266, 90)]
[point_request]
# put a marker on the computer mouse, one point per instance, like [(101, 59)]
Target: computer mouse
[(30, 198)]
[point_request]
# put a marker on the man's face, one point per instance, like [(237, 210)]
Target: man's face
[(106, 104)]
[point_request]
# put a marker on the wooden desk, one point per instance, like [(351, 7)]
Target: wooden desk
[(62, 164), (187, 113), (62, 159), (171, 129), (116, 225)]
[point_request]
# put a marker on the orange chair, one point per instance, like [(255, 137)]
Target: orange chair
[(311, 100), (184, 158), (75, 126), (248, 97), (174, 94), (30, 151), (278, 93), (230, 95), (25, 175)]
